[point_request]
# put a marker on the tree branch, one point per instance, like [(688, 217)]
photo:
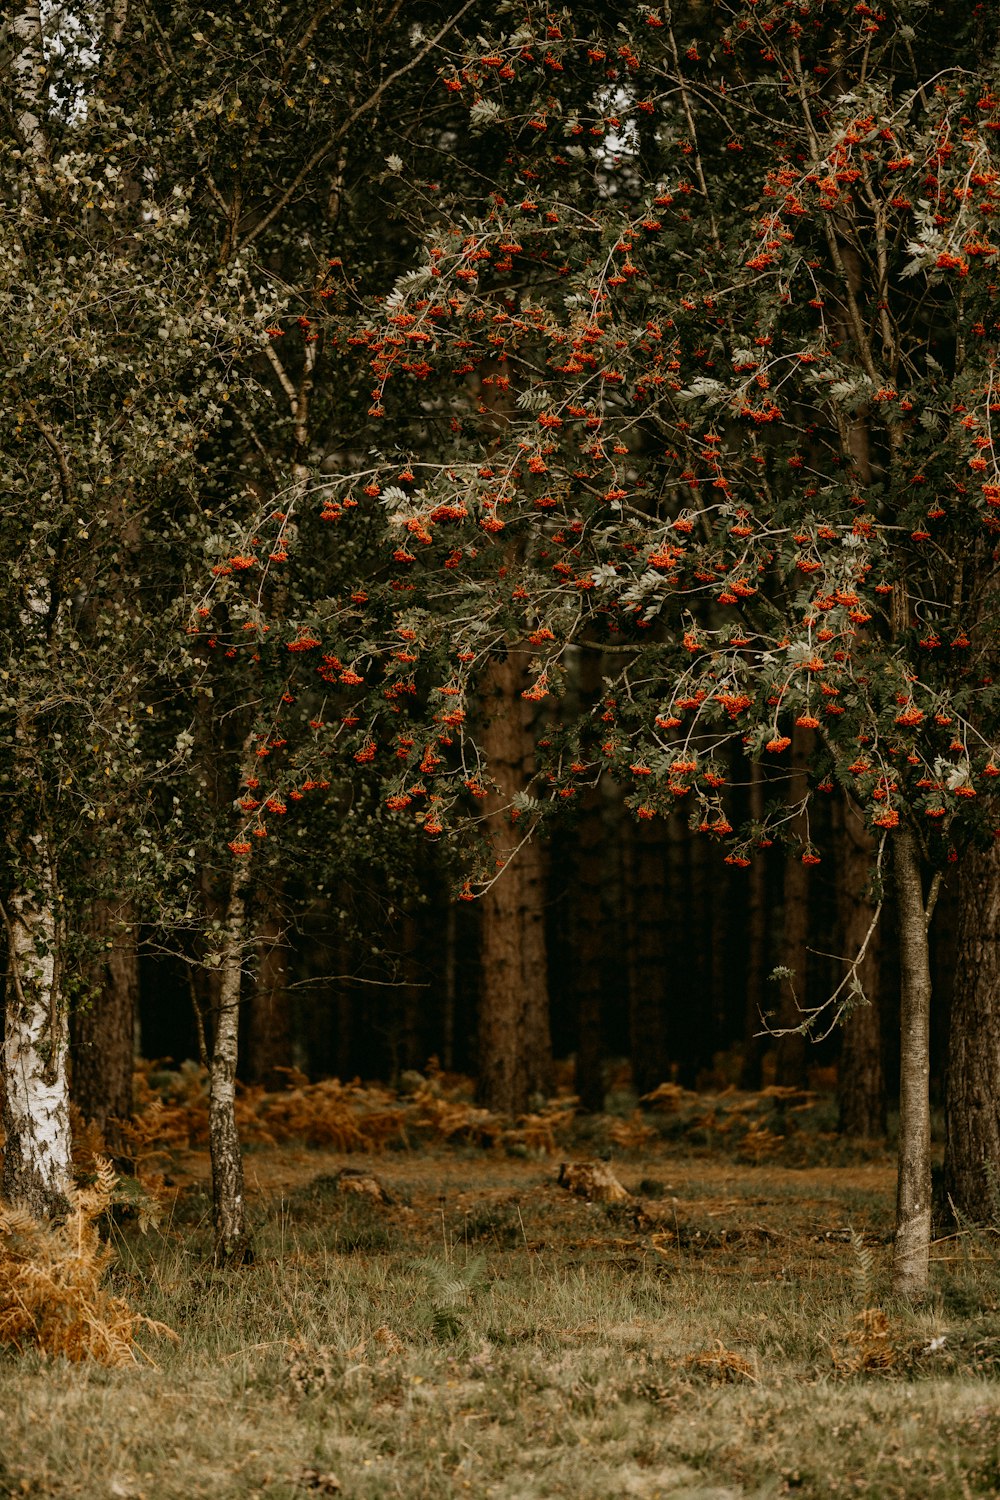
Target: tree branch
[(356, 114)]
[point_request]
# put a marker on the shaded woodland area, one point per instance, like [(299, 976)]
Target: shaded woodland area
[(500, 562), (657, 956)]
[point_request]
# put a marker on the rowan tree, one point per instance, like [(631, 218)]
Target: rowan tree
[(691, 368), (712, 361)]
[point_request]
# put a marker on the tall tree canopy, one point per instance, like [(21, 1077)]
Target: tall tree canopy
[(408, 358)]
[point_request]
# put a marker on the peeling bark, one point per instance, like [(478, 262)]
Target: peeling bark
[(37, 1167), (28, 72), (232, 1238)]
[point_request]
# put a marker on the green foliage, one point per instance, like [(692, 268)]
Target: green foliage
[(175, 190), (450, 1288), (709, 396), (352, 355), (679, 343)]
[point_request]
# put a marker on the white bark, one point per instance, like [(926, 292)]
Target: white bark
[(37, 1162), (232, 1240), (28, 73)]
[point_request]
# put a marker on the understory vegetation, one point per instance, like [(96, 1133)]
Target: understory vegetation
[(434, 1314)]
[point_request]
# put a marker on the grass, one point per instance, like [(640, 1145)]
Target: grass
[(729, 1335)]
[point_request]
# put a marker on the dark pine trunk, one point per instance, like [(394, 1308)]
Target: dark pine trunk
[(268, 1022), (587, 920), (450, 987), (861, 1095), (790, 1053), (514, 1046), (972, 1145), (757, 948), (103, 1027), (647, 929), (587, 951), (411, 1051)]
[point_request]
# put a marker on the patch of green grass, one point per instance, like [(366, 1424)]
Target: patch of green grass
[(714, 1353)]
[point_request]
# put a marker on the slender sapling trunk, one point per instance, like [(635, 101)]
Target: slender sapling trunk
[(232, 1238), (913, 1185)]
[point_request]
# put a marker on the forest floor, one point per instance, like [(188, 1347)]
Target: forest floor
[(449, 1321)]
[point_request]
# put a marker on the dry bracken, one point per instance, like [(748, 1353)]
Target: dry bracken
[(51, 1296)]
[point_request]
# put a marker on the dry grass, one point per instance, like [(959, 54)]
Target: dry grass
[(723, 1333)]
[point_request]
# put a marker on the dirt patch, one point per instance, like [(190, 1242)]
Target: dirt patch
[(774, 1220)]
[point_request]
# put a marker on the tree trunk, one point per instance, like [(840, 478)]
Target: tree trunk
[(720, 921), (757, 912), (586, 912), (790, 1054), (103, 1027), (232, 1238), (913, 1185), (37, 1168), (411, 1050), (29, 77), (647, 930), (268, 1030), (972, 1115), (538, 1036), (504, 1000), (450, 989), (514, 1045), (861, 1075), (587, 939), (687, 1006)]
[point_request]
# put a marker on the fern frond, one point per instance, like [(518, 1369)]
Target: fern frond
[(864, 1267), (51, 1296)]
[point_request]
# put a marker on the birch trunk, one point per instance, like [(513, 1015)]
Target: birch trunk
[(27, 68), (913, 1191), (232, 1239), (37, 1170)]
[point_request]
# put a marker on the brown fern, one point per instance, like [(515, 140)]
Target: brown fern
[(51, 1297)]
